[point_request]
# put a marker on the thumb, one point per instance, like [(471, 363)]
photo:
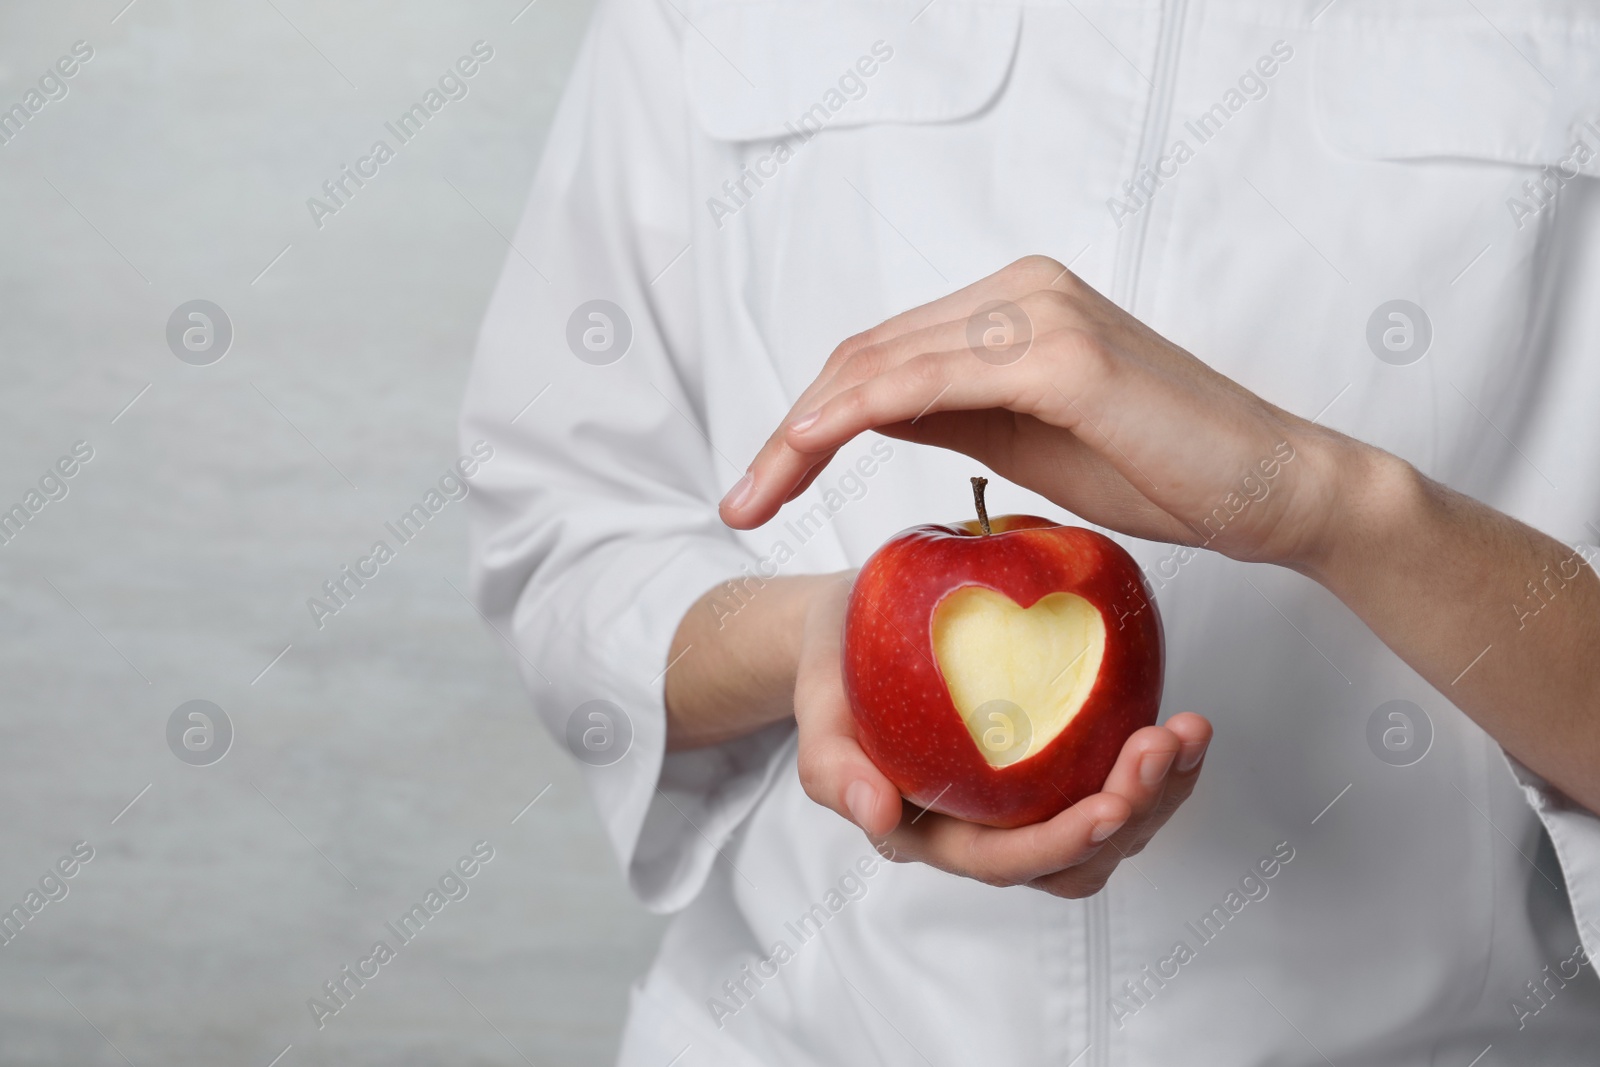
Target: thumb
[(834, 771)]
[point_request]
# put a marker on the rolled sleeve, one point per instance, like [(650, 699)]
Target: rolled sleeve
[(668, 814)]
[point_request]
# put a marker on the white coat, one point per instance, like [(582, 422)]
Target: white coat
[(1361, 877)]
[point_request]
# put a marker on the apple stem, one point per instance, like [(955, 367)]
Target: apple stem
[(978, 485)]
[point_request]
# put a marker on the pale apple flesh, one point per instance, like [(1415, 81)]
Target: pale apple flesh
[(1017, 675)]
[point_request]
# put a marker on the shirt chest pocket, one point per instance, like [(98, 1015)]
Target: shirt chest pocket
[(1518, 85), (1452, 136), (823, 141)]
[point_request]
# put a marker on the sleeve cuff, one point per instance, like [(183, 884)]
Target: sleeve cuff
[(702, 798), (669, 815), (1575, 833)]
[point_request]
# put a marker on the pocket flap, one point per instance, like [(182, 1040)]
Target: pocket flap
[(767, 69), (1519, 90)]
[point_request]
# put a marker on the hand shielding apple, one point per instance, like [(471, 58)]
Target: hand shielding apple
[(1087, 406)]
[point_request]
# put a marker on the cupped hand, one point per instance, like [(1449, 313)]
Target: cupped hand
[(1097, 412), (1070, 855)]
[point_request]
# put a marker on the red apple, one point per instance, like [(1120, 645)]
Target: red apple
[(995, 669)]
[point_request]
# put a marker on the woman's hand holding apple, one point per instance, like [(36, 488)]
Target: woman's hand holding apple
[(1069, 855)]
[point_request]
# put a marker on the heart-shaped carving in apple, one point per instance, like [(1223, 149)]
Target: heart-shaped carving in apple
[(995, 669)]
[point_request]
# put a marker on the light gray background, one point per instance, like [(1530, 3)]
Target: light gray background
[(179, 565)]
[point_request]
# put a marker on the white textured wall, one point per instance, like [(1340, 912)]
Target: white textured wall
[(376, 751)]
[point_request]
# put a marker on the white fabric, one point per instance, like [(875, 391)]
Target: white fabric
[(1411, 911)]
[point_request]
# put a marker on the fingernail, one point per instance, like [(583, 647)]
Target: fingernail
[(803, 423), (1103, 830), (740, 490), (1153, 768), (858, 798), (1189, 757)]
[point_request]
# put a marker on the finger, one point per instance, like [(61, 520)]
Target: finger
[(756, 497), (1139, 777), (734, 508), (810, 476), (834, 771), (882, 356), (1142, 758), (1140, 773), (952, 380), (1194, 736), (1082, 880), (1081, 379), (780, 471), (1011, 857), (1014, 281)]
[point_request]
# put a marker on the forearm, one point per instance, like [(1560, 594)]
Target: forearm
[(734, 658), (1497, 616)]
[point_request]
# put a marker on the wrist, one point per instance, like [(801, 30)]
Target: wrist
[(1376, 506), (734, 659)]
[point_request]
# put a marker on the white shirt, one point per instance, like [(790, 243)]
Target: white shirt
[(1416, 911)]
